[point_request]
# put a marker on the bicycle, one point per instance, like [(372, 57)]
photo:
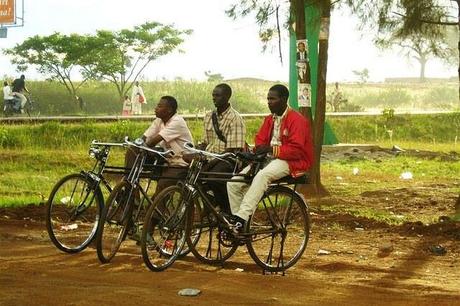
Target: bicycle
[(75, 203), (124, 210), (13, 106), (276, 235), (32, 108)]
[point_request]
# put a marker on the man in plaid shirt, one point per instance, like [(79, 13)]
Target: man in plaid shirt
[(226, 134)]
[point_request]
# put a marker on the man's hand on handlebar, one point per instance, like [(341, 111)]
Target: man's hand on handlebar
[(262, 149)]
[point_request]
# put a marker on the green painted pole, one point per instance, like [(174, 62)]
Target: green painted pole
[(312, 24)]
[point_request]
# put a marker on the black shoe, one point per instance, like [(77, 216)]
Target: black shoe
[(236, 223)]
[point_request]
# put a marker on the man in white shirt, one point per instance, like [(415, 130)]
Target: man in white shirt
[(170, 132)]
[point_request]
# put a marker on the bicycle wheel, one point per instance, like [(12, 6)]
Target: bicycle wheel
[(205, 238), (115, 218), (73, 211), (279, 229), (163, 237), (32, 108)]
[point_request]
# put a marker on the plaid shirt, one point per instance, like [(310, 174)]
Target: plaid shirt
[(232, 126)]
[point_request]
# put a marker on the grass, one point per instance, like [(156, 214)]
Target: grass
[(29, 174), (249, 96)]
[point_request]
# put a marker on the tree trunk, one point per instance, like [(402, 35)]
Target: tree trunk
[(320, 112), (458, 20), (422, 61)]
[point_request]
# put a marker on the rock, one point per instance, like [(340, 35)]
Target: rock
[(386, 247), (438, 250), (323, 252), (189, 292)]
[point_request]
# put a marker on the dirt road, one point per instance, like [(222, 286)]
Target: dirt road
[(372, 264)]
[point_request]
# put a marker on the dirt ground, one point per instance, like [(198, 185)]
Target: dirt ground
[(349, 261)]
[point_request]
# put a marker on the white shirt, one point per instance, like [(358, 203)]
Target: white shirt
[(276, 139), (137, 91), (175, 134), (7, 93)]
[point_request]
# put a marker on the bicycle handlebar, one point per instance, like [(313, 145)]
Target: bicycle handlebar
[(140, 144), (107, 144), (189, 146)]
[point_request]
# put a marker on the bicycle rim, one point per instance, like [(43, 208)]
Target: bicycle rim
[(163, 232), (205, 238), (73, 211), (114, 222), (279, 230)]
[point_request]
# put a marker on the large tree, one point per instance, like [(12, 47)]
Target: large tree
[(273, 17), (120, 57), (56, 56), (410, 17), (418, 47)]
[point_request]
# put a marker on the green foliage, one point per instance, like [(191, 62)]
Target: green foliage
[(120, 57), (440, 97), (117, 57)]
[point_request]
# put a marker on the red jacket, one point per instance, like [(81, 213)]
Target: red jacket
[(296, 141)]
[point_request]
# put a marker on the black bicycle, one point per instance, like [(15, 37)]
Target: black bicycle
[(74, 206), (276, 235), (124, 211)]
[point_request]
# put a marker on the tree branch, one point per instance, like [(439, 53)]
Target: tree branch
[(448, 23)]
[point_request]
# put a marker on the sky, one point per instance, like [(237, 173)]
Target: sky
[(218, 44)]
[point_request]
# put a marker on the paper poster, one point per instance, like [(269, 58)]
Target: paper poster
[(304, 95)]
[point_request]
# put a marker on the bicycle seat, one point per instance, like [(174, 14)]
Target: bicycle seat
[(288, 179), (249, 156)]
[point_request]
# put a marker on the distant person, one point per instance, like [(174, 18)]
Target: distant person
[(7, 94), (336, 98), (127, 107), (81, 103), (19, 87), (137, 99)]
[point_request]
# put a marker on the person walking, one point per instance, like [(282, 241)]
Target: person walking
[(127, 107), (137, 99)]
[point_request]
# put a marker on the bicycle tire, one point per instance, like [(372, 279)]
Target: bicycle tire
[(279, 229), (73, 210), (115, 218), (205, 237), (162, 239), (32, 109)]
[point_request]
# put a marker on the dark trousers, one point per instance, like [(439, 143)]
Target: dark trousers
[(219, 188), (171, 174)]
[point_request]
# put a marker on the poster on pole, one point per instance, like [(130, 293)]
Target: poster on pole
[(7, 14)]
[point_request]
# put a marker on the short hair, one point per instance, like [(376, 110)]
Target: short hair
[(5, 83), (226, 89), (282, 90), (23, 76), (172, 102)]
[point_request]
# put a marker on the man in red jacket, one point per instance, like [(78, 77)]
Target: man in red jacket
[(286, 136)]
